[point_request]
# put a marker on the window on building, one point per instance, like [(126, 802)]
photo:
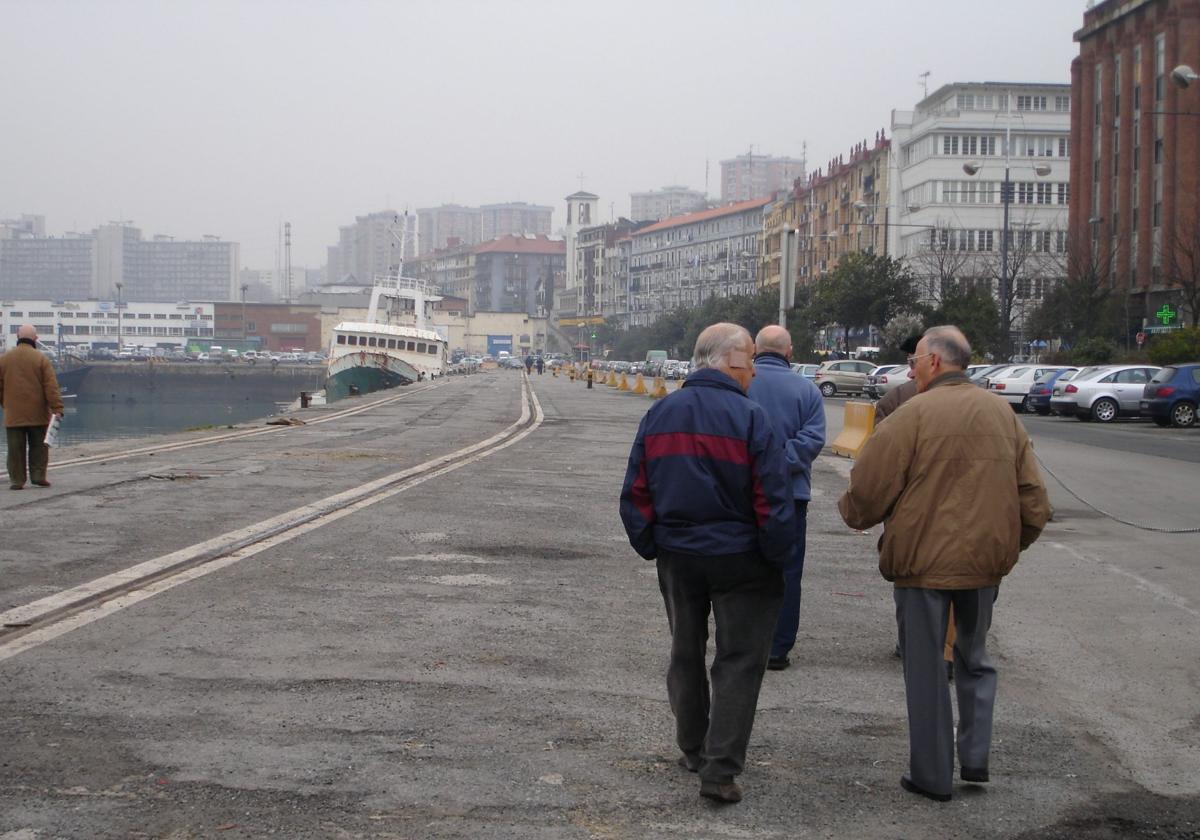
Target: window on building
[(352, 340), (1025, 192), (1160, 66), (1045, 193), (1062, 103), (341, 339), (1064, 147), (1031, 103), (1064, 193)]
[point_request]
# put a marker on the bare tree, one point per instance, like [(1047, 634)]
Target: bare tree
[(1181, 266), (940, 267)]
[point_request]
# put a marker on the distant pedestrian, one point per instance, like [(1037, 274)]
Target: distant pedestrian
[(952, 476), (903, 392), (29, 396), (707, 495), (529, 364), (798, 411), (541, 365)]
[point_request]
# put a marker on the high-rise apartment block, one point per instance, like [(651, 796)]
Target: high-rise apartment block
[(758, 176), (656, 205), (448, 226), (75, 265), (370, 247), (515, 218), (1135, 166)]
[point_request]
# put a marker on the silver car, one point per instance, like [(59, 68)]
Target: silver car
[(878, 380), (1104, 394)]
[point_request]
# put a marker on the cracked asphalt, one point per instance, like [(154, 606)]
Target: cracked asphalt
[(483, 656)]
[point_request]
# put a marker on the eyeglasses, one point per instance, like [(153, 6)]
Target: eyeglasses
[(912, 360)]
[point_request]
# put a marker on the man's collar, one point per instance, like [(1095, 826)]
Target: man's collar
[(772, 356), (713, 378), (950, 377), (32, 342)]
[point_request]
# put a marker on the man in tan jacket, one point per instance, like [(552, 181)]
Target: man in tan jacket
[(29, 395), (952, 476)]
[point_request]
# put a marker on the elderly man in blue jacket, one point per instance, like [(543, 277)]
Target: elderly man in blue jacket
[(707, 495), (798, 409)]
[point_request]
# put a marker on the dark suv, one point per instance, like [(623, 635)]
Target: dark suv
[(1172, 396)]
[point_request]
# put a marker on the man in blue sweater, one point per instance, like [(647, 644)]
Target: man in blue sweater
[(798, 411), (707, 495)]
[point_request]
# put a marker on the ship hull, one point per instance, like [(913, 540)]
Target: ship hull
[(364, 373), (70, 379)]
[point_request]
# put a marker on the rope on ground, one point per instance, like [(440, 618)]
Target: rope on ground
[(1113, 516)]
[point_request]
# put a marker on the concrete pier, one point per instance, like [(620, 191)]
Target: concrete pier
[(481, 654)]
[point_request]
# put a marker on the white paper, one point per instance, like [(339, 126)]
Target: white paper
[(52, 430)]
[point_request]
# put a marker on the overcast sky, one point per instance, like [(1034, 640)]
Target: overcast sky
[(229, 118)]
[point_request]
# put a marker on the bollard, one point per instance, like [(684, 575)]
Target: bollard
[(624, 386), (304, 399), (639, 386), (590, 377)]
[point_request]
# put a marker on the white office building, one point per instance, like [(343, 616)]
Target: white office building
[(940, 218)]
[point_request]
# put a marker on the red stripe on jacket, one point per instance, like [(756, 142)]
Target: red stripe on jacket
[(640, 493), (714, 447), (762, 509)]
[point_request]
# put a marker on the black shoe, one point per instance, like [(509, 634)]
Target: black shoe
[(778, 663), (978, 775), (16, 487), (912, 787), (728, 792), (690, 763), (896, 653), (950, 672), (42, 483)]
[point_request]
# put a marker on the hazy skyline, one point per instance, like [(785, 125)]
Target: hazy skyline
[(230, 118)]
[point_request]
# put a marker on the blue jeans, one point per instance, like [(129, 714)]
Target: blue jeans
[(789, 613)]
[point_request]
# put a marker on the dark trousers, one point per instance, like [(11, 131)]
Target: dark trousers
[(20, 440), (744, 594), (921, 615), (789, 613)]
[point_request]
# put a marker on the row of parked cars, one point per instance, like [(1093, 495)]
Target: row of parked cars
[(1167, 395), (668, 369)]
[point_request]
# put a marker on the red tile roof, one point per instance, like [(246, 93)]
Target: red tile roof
[(510, 244), (704, 215)]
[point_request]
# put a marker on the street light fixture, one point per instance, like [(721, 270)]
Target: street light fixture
[(972, 168), (1183, 76)]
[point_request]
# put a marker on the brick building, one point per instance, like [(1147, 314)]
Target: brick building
[(275, 326), (1135, 165)]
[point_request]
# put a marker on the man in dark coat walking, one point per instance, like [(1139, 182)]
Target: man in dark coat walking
[(707, 496)]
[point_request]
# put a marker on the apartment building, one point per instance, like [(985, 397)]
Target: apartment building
[(749, 176), (371, 247), (1135, 166), (516, 274), (448, 226), (945, 212), (106, 323), (515, 218), (656, 205), (684, 260)]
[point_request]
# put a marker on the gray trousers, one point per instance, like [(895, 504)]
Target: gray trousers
[(921, 616), (744, 594)]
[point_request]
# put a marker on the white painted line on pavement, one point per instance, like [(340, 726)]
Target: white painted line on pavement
[(369, 494), (1154, 589)]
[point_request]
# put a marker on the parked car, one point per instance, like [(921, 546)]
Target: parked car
[(893, 379), (809, 372), (1040, 391), (1014, 383), (983, 377), (1172, 396), (841, 377), (870, 387), (1116, 390)]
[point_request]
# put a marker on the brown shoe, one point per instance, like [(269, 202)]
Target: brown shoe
[(690, 763), (727, 792), (16, 487), (42, 483)]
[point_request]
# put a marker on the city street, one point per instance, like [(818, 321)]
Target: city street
[(481, 654)]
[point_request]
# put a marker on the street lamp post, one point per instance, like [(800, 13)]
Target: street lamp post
[(1006, 196), (245, 286), (119, 307)]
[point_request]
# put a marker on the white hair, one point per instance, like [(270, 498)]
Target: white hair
[(949, 343), (716, 343)]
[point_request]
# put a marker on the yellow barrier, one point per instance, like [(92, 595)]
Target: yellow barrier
[(660, 388), (624, 386), (639, 386), (611, 382), (858, 424)]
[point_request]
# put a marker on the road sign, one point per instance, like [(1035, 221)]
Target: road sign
[(1141, 338)]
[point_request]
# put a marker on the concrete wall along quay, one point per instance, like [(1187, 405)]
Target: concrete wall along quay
[(164, 382)]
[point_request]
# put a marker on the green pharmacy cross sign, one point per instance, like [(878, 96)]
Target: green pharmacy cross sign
[(1166, 314)]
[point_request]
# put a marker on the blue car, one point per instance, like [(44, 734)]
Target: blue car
[(1171, 397), (1040, 391)]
